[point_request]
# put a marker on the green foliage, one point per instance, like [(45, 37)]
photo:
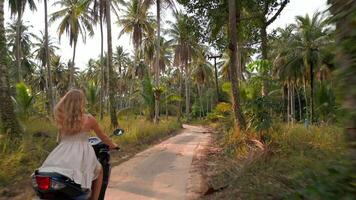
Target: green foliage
[(259, 114), (23, 100), (220, 112), (92, 94), (148, 99)]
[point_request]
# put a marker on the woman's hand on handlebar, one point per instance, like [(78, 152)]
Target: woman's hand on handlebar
[(114, 147)]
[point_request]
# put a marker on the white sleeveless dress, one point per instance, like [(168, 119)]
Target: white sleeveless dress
[(75, 158)]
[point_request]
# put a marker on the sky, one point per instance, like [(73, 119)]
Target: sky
[(91, 49)]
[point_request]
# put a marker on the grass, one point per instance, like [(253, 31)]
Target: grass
[(39, 139), (294, 163)]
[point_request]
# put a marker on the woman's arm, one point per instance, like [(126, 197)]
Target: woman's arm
[(100, 133)]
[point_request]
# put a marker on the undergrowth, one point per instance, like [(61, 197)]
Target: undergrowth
[(293, 162)]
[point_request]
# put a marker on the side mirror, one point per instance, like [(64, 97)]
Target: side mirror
[(118, 132)]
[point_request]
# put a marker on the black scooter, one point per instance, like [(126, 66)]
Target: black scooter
[(55, 186)]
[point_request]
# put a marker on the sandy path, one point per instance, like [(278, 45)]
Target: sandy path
[(161, 172)]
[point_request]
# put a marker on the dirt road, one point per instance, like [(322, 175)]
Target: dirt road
[(161, 172)]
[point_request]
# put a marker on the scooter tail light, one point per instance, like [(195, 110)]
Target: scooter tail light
[(43, 182)]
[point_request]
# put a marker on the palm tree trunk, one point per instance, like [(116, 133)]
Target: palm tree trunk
[(49, 73), (289, 104), (299, 104), (216, 80), (292, 106), (311, 93), (180, 92), (239, 118), (113, 117), (187, 93), (18, 45), (158, 3), (102, 89), (71, 70), (264, 54), (9, 121), (306, 98)]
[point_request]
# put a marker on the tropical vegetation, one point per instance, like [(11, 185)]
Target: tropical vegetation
[(290, 89)]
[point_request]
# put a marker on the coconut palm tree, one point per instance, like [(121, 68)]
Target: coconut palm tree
[(136, 21), (185, 47), (26, 38), (47, 60), (99, 14), (75, 20), (202, 73), (311, 37), (40, 52), (17, 8), (120, 59), (113, 117), (165, 54), (9, 121), (159, 3)]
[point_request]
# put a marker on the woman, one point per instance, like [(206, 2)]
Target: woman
[(74, 157)]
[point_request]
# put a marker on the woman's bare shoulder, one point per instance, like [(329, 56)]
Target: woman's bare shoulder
[(90, 121)]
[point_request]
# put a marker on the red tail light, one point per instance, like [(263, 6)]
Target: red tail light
[(44, 183)]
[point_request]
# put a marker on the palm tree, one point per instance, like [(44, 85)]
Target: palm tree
[(60, 75), (165, 54), (9, 121), (113, 117), (45, 49), (47, 60), (312, 35), (40, 47), (75, 20), (120, 59), (137, 21), (202, 74), (169, 3), (240, 120), (25, 45), (17, 8), (185, 48), (99, 15)]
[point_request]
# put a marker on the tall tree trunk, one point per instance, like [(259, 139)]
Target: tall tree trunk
[(157, 94), (311, 93), (264, 41), (292, 106), (289, 104), (48, 64), (345, 37), (113, 117), (180, 92), (9, 121), (200, 100), (18, 45), (71, 70), (102, 68), (285, 103), (187, 93), (306, 98), (239, 118), (216, 80), (299, 104)]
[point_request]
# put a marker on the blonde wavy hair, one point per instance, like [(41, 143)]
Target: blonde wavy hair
[(69, 112)]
